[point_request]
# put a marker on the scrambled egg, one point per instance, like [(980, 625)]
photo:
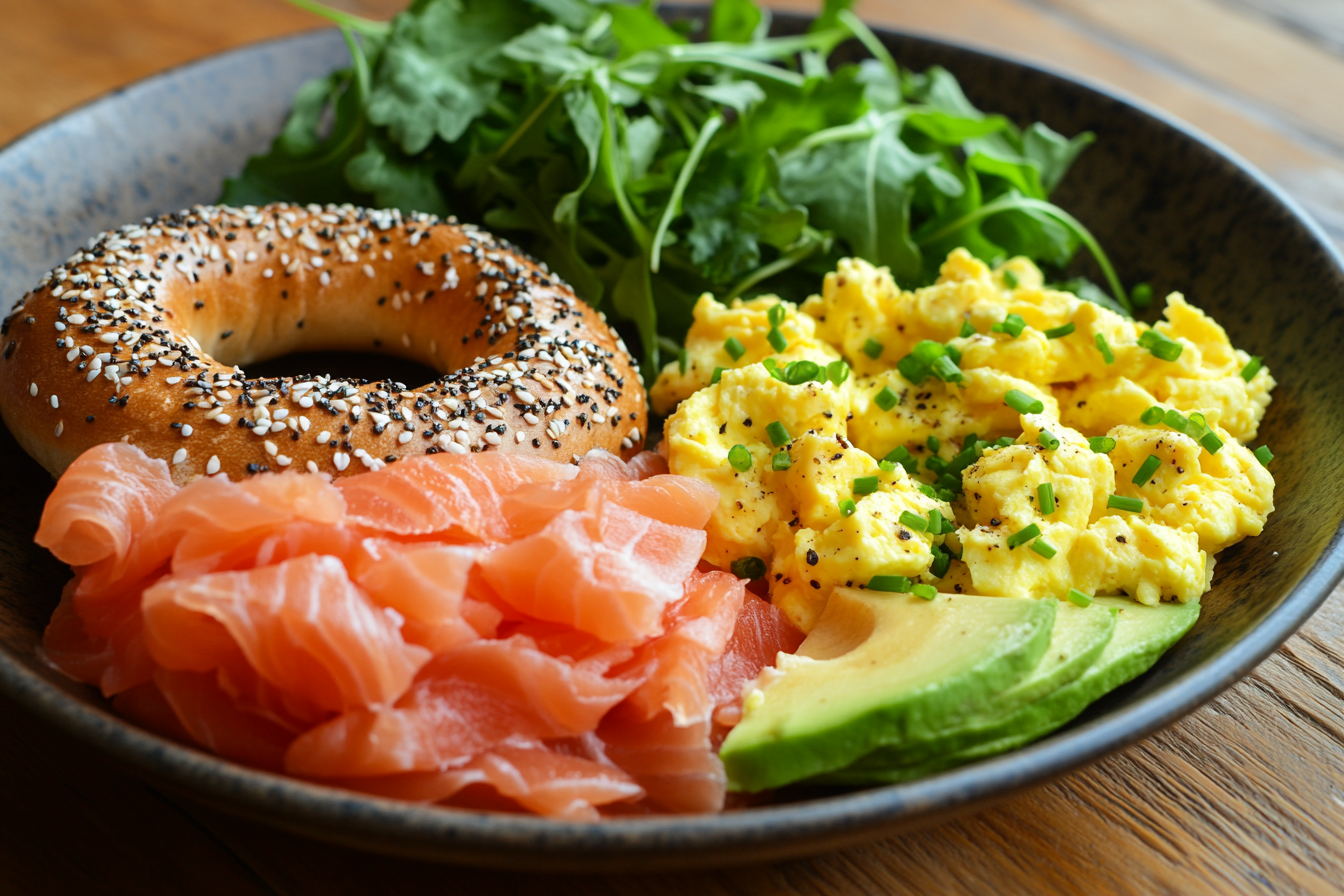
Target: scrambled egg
[(940, 480)]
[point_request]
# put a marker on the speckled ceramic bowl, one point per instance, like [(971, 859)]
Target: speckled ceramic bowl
[(1171, 207)]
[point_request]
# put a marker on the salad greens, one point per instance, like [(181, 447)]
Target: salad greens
[(646, 168)]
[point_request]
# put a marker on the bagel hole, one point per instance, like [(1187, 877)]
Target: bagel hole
[(369, 366)]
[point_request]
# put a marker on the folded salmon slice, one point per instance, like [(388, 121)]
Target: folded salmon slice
[(425, 584), (676, 765), (609, 572), (463, 703), (302, 625), (101, 501), (458, 495), (760, 634)]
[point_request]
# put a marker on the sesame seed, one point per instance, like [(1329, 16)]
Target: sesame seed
[(32, 389), (282, 461), (340, 460), (311, 466), (109, 338), (55, 401), (60, 428), (212, 465), (271, 448), (368, 271), (532, 419), (455, 448), (519, 436), (186, 430), (268, 273), (223, 419), (491, 438), (173, 380), (179, 456), (404, 437)]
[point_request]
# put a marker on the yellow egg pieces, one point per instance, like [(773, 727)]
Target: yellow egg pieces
[(986, 434)]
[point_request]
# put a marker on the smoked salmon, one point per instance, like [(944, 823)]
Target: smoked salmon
[(487, 630)]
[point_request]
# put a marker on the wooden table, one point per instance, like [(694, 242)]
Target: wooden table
[(1244, 795)]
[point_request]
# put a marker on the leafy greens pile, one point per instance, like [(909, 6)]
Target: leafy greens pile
[(646, 168)]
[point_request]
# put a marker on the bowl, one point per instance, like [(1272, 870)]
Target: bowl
[(1171, 206)]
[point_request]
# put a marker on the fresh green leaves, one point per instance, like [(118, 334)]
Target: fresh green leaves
[(646, 168)]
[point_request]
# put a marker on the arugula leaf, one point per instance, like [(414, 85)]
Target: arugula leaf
[(734, 20)]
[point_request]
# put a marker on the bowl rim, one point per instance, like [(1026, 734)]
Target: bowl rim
[(371, 822)]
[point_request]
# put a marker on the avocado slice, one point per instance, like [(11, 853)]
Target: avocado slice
[(1077, 641), (1142, 634), (879, 669)]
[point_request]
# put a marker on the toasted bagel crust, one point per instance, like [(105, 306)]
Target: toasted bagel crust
[(136, 338)]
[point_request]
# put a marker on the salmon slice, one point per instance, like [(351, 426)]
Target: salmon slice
[(463, 703), (302, 624), (609, 573), (101, 501), (555, 784), (212, 720), (675, 765), (445, 493), (674, 500), (646, 464), (425, 584), (677, 664), (760, 634), (145, 705)]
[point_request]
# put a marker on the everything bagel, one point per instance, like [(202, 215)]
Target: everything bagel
[(137, 339)]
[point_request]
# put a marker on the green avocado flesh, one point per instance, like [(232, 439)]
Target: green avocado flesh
[(1141, 634), (881, 669)]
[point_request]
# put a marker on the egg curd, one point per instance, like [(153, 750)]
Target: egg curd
[(985, 435)]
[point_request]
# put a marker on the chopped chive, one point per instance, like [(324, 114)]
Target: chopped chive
[(734, 348), (1146, 470), (887, 399), (1010, 278), (837, 372), (935, 522), (1004, 442), (739, 458), (936, 464), (1153, 415), (1211, 442), (950, 484), (892, 584), (886, 466), (1013, 325), (751, 568), (1160, 345), (776, 339), (952, 352), (928, 351), (683, 361), (771, 365), (927, 490), (1048, 440), (927, 592), (1022, 402), (946, 495), (1060, 331), (1101, 444), (933, 444), (1046, 492), (1196, 425), (966, 329), (781, 462), (913, 369), (872, 348), (718, 375), (1022, 536), (799, 372), (865, 485), (1116, 502), (847, 506), (775, 315), (914, 521), (1175, 420), (1141, 295), (1264, 455), (1102, 346), (898, 455), (1044, 548), (942, 561), (1078, 598), (1252, 368), (777, 433), (947, 370)]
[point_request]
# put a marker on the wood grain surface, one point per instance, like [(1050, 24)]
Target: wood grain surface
[(1244, 795)]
